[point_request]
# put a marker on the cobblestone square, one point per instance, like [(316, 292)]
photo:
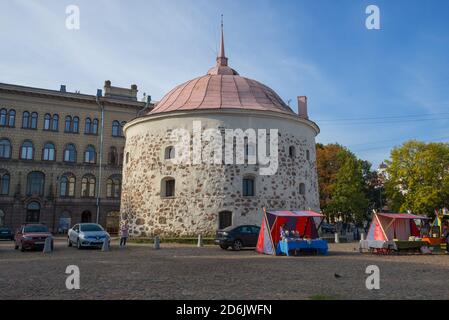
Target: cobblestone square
[(187, 272)]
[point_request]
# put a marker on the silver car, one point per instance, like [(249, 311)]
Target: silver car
[(87, 235)]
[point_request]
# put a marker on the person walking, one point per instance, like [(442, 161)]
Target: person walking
[(124, 231)]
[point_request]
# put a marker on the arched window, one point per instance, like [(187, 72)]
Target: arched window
[(88, 186), (33, 120), (170, 153), (113, 186), (67, 185), (291, 151), (12, 118), (5, 180), (113, 156), (2, 218), (49, 151), (95, 126), (5, 149), (168, 187), (55, 123), (89, 154), (33, 212), (302, 189), (70, 153), (2, 117), (47, 121), (307, 154), (76, 124), (248, 186), (27, 150), (68, 124), (35, 183), (115, 128), (86, 217), (87, 126), (26, 120)]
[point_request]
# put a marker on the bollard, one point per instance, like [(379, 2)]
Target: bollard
[(105, 246), (362, 236), (47, 245), (200, 241), (337, 238), (157, 243)]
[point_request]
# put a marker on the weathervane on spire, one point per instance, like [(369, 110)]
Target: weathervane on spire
[(222, 61)]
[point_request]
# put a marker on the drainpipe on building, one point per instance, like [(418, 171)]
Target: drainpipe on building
[(100, 159)]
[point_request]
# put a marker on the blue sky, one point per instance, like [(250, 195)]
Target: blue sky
[(392, 84)]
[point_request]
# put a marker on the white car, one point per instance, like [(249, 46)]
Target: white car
[(87, 235)]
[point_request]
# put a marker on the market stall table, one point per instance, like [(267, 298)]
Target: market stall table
[(315, 246)]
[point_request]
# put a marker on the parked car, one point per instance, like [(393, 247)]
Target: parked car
[(32, 236), (87, 235), (6, 234), (327, 228), (237, 237)]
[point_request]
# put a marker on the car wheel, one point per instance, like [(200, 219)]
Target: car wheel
[(237, 245), (69, 243), (78, 244), (224, 247)]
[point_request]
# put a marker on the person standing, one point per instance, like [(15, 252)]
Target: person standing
[(124, 231)]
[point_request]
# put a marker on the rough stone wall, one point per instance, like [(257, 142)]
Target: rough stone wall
[(202, 191)]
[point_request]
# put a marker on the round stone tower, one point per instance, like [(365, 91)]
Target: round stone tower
[(212, 153)]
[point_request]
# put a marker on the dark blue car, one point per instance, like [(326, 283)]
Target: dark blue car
[(237, 237), (6, 234)]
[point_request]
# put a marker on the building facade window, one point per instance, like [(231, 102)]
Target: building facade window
[(25, 120), (5, 149), (87, 126), (89, 154), (113, 156), (33, 212), (2, 117), (168, 187), (33, 124), (115, 128), (224, 219), (5, 180), (67, 185), (302, 189), (7, 118), (55, 123), (35, 183), (113, 187), (291, 151), (47, 121), (12, 118), (127, 157), (70, 153), (248, 187), (88, 186), (170, 153), (76, 124), (49, 152), (27, 150), (95, 126), (68, 124)]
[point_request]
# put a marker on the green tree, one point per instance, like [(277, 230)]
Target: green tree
[(418, 177)]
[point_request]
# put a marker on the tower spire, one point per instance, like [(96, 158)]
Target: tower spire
[(222, 61)]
